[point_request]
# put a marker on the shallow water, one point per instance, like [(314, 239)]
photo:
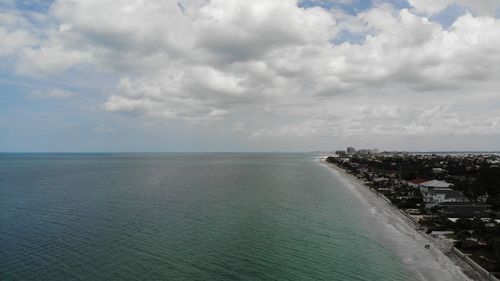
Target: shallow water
[(184, 217)]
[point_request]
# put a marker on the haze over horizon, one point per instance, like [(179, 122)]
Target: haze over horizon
[(280, 75)]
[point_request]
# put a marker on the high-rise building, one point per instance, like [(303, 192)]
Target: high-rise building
[(351, 150), (340, 152), (364, 152)]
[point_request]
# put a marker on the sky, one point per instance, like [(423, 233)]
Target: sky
[(239, 75)]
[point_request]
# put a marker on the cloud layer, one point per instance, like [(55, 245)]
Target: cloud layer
[(275, 69)]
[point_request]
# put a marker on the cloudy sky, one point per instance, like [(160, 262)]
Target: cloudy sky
[(239, 75)]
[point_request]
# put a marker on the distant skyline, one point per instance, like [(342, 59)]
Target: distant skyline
[(261, 75)]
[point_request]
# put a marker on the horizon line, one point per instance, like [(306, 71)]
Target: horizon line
[(310, 151)]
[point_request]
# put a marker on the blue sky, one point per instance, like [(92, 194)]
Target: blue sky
[(249, 75)]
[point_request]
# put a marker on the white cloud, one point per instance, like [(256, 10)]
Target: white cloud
[(390, 120), (49, 60), (432, 7), (52, 94), (14, 34), (12, 41), (270, 69)]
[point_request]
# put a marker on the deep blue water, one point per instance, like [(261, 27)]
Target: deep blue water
[(184, 217)]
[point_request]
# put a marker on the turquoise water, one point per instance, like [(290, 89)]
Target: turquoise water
[(184, 217)]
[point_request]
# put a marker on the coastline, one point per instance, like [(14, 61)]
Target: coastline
[(436, 263)]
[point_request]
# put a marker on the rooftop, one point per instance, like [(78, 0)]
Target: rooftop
[(436, 183), (465, 209), (448, 193), (418, 180)]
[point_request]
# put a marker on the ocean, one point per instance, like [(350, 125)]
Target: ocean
[(185, 216)]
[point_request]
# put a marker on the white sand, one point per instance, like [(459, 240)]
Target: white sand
[(408, 243)]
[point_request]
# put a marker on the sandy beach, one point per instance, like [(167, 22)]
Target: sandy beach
[(434, 264)]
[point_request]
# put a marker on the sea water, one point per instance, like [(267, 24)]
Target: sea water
[(185, 216)]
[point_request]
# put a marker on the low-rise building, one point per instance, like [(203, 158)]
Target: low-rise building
[(340, 153), (424, 186), (433, 197), (437, 170), (465, 209), (364, 152), (380, 180), (415, 182)]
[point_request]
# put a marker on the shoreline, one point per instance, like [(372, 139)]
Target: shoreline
[(438, 263)]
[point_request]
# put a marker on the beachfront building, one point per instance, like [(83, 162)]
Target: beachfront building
[(351, 150), (345, 160), (432, 184), (433, 197), (380, 182), (437, 170), (415, 182), (465, 210)]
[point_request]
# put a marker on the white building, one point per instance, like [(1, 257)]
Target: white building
[(364, 152), (437, 170), (435, 196), (433, 184)]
